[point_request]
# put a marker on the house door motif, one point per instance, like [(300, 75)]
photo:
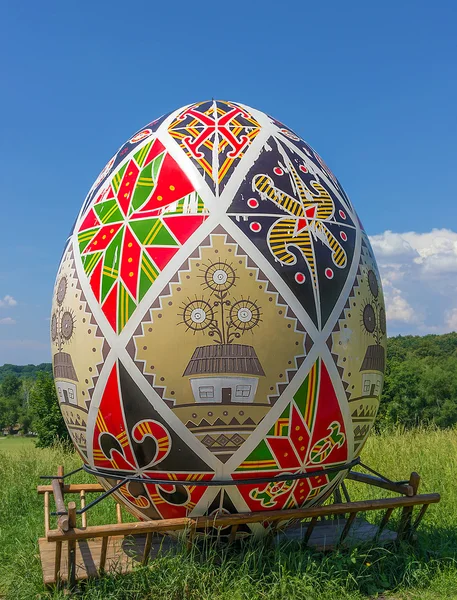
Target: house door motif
[(226, 395)]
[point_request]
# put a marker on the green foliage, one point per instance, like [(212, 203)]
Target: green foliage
[(24, 371), (421, 381), (11, 408), (46, 416)]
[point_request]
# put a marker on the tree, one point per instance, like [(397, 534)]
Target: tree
[(10, 401), (47, 419)]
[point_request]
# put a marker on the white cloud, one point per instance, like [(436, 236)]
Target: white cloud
[(7, 301), (418, 271), (397, 307), (7, 321), (390, 244), (451, 319)]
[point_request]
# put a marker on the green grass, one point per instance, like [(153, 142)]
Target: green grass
[(426, 570), (13, 443)]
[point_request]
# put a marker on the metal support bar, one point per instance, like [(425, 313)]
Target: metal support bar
[(61, 477), (223, 482)]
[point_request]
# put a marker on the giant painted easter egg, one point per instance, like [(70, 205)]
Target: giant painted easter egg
[(218, 319)]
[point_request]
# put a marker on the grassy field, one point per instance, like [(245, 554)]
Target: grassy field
[(15, 444), (426, 570)]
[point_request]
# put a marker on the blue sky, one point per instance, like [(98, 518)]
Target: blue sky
[(372, 86)]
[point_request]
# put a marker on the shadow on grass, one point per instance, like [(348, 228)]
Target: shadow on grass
[(254, 569)]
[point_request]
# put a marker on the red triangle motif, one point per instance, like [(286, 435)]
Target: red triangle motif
[(130, 262), (172, 185), (301, 224), (89, 221), (110, 306), (156, 149), (183, 227), (161, 255), (95, 279), (329, 412), (110, 421), (310, 212)]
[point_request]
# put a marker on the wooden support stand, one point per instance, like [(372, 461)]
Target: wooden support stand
[(71, 553)]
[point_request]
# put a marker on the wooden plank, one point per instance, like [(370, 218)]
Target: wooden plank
[(87, 559), (73, 488), (122, 554), (400, 488), (325, 535), (228, 520)]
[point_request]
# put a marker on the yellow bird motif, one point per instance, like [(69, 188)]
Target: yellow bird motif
[(306, 223)]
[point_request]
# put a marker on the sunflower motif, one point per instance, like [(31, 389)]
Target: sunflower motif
[(197, 315), (244, 315), (219, 277), (67, 325)]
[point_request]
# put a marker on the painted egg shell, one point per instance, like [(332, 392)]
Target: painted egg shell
[(218, 317)]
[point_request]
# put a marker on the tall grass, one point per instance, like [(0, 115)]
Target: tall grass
[(426, 570)]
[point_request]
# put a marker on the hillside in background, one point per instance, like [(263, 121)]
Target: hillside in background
[(421, 381), (420, 386), (24, 371)]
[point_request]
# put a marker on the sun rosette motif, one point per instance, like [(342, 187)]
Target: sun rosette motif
[(218, 316)]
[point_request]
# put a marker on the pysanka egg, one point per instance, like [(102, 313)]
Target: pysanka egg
[(218, 319)]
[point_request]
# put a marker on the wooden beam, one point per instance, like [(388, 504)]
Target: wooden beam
[(118, 513), (73, 488), (60, 505), (147, 548), (420, 516), (384, 522), (72, 545), (414, 481), (103, 554), (400, 488), (46, 513), (347, 527), (232, 536), (309, 530), (228, 520), (82, 497), (57, 561)]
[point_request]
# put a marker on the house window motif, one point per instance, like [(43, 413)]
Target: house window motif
[(243, 391), (206, 391), (366, 386)]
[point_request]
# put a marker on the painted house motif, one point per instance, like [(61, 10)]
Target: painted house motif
[(372, 370), (224, 374)]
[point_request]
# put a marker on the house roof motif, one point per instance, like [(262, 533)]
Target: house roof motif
[(224, 358), (63, 367), (375, 359)]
